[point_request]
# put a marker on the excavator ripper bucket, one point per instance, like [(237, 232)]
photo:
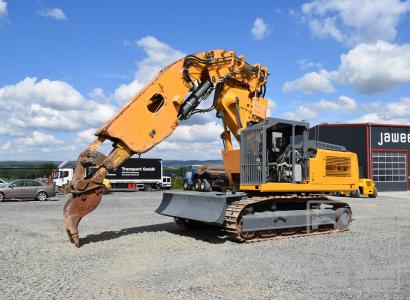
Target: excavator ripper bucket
[(198, 206), (77, 207), (87, 191)]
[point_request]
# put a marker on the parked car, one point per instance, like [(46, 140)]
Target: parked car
[(26, 189), (3, 182)]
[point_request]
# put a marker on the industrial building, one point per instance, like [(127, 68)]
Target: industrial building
[(382, 150)]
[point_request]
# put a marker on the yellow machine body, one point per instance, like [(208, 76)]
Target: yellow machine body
[(328, 171)]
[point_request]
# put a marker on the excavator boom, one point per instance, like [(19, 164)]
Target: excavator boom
[(155, 112)]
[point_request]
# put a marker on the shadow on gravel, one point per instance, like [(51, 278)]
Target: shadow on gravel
[(207, 234)]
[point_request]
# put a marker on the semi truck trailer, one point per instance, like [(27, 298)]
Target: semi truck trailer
[(139, 174)]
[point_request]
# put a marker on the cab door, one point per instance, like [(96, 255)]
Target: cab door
[(17, 189), (31, 188)]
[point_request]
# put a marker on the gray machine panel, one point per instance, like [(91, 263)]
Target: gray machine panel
[(254, 169), (268, 220)]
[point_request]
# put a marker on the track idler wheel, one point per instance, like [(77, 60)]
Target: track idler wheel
[(249, 235), (246, 235), (343, 218)]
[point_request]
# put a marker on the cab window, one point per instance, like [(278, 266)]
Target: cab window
[(63, 174), (35, 183), (19, 183), (28, 183)]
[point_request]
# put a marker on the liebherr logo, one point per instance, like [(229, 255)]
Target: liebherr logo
[(393, 137)]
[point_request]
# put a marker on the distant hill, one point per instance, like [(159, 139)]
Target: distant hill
[(180, 163), (26, 163)]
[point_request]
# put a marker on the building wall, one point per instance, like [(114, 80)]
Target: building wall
[(389, 156), (382, 150), (350, 136)]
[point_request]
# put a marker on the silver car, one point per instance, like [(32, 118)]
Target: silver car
[(3, 182), (26, 189)]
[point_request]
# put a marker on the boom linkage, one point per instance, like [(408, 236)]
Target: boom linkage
[(155, 112)]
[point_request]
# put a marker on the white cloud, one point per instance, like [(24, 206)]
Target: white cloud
[(98, 95), (196, 133), (325, 27), (86, 136), (372, 68), (368, 68), (159, 55), (5, 146), (54, 93), (301, 113), (3, 9), (31, 106), (400, 108), (6, 130), (271, 108), (343, 103), (38, 116), (306, 64), (397, 112), (40, 139), (353, 21), (259, 29), (390, 113), (310, 83), (55, 13), (312, 110), (125, 91), (48, 104)]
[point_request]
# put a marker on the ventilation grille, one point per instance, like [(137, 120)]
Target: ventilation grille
[(338, 166), (252, 156)]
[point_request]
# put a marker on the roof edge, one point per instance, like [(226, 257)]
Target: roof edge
[(362, 124)]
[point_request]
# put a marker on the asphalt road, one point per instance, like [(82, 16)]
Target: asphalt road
[(130, 252)]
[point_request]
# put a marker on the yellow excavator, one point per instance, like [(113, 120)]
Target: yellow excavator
[(279, 177)]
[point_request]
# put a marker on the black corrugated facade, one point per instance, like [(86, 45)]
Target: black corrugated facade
[(382, 150)]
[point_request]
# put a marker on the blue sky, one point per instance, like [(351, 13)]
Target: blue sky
[(66, 66)]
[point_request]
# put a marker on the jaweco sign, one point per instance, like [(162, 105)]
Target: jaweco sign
[(393, 137)]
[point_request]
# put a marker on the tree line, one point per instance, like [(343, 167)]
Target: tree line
[(26, 172)]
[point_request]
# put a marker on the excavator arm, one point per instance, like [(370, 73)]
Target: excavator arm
[(154, 113)]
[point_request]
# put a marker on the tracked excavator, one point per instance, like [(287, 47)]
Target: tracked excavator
[(279, 177)]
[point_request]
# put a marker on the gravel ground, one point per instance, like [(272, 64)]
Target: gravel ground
[(131, 252)]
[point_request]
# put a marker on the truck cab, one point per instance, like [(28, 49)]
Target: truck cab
[(166, 183), (205, 178), (63, 176), (189, 179)]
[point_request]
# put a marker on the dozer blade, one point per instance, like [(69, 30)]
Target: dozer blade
[(198, 206), (76, 208)]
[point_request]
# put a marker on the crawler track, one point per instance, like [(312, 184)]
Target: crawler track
[(236, 209)]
